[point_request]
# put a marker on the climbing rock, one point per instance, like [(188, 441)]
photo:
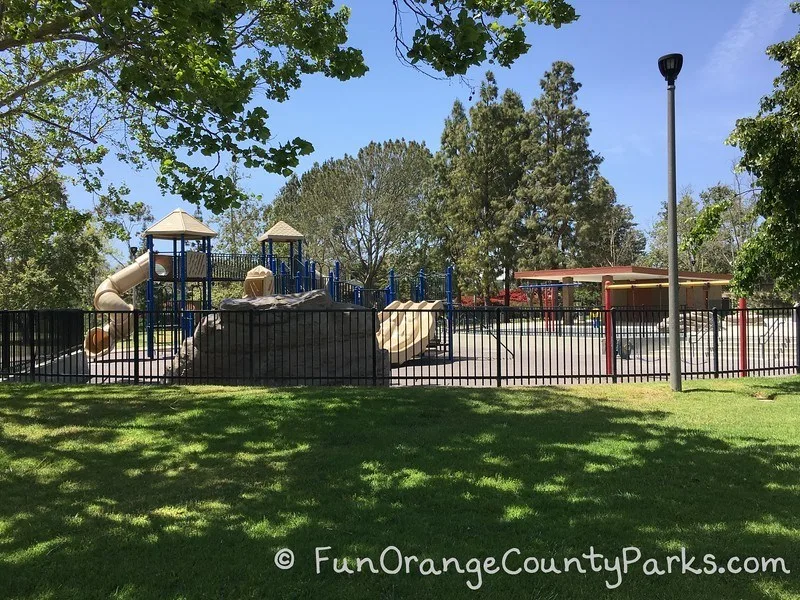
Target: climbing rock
[(293, 339)]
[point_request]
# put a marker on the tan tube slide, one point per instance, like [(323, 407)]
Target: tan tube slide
[(101, 340), (405, 328)]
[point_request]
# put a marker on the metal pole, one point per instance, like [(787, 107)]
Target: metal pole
[(743, 362), (610, 350), (151, 303), (184, 322), (449, 294), (715, 341), (209, 274), (672, 237), (797, 337)]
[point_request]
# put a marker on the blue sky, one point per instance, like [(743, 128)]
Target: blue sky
[(614, 47)]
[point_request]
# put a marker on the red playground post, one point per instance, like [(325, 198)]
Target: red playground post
[(743, 366), (609, 345)]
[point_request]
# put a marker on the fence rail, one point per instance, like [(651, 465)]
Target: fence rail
[(462, 346)]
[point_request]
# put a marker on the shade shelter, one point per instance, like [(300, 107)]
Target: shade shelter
[(180, 227), (650, 297), (283, 232)]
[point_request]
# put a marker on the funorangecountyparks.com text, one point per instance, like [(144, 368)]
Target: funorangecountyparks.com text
[(514, 562)]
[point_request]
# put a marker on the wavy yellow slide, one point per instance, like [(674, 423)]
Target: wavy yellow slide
[(405, 328), (108, 297)]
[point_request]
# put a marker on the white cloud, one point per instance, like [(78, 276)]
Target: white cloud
[(748, 38)]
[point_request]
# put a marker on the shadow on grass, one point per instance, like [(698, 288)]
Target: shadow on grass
[(154, 493)]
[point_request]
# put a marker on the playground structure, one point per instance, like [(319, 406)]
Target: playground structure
[(427, 336), (407, 328), (418, 336), (179, 283)]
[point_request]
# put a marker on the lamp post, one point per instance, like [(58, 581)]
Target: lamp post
[(670, 66)]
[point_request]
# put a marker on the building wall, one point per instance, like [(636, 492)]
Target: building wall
[(690, 297)]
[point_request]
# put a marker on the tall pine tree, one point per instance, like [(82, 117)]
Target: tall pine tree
[(478, 171), (560, 169)]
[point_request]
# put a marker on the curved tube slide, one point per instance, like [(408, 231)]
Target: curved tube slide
[(405, 328), (101, 340)]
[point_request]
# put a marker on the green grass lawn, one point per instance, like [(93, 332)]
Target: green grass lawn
[(159, 492)]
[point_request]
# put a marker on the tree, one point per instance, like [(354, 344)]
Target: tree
[(478, 170), (238, 228), (362, 210), (725, 223), (560, 169), (453, 36), (165, 82), (770, 146), (50, 253), (657, 243), (124, 221), (605, 233), (445, 233)]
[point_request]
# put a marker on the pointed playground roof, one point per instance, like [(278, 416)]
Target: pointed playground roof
[(180, 223), (281, 232)]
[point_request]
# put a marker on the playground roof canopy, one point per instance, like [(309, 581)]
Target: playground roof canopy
[(621, 273), (180, 223), (281, 232)]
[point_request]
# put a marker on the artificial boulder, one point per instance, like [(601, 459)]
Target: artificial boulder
[(293, 339)]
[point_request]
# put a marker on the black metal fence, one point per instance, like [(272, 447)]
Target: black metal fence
[(464, 346)]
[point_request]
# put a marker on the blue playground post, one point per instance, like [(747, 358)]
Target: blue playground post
[(291, 257), (357, 299), (330, 284), (283, 277), (150, 297), (421, 286), (300, 251), (448, 287), (271, 258), (186, 317), (176, 267), (306, 281), (337, 287), (392, 286), (298, 283), (209, 273), (313, 274), (264, 254)]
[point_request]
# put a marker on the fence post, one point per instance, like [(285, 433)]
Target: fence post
[(449, 294), (609, 330), (6, 365), (797, 337), (499, 346), (135, 346), (32, 342), (337, 288), (715, 340), (375, 349), (613, 336), (250, 369), (743, 366)]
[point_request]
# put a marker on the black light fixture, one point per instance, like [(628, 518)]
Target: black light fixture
[(670, 66)]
